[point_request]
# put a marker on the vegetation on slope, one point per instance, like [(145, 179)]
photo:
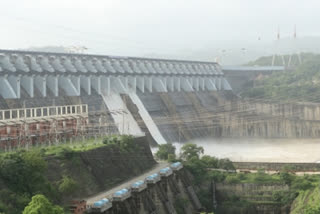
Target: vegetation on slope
[(300, 84), (40, 204), (166, 152), (22, 175), (60, 173), (204, 170), (308, 202), (267, 60)]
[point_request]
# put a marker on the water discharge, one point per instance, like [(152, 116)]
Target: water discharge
[(121, 115), (147, 119), (261, 150)]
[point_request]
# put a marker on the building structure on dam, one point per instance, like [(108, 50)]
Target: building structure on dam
[(104, 83), (104, 74), (167, 100)]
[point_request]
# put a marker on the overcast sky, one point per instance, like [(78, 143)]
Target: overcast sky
[(136, 27)]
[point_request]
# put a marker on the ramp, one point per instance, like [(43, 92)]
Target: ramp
[(121, 115), (147, 119)]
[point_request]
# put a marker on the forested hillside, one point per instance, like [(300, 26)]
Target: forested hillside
[(67, 171), (299, 84), (267, 60)]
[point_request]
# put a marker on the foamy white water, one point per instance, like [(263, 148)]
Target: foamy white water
[(147, 119), (262, 150), (122, 116)]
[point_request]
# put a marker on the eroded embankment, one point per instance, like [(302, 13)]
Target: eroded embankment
[(69, 173), (101, 168)]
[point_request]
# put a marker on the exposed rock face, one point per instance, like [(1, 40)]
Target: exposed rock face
[(99, 169)]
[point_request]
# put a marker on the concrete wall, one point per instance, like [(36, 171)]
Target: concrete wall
[(163, 197), (257, 196), (298, 167)]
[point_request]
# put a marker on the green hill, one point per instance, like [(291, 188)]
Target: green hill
[(267, 60), (299, 84)]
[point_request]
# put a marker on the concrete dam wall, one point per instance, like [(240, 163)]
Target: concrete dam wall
[(271, 120), (260, 195), (183, 116), (168, 100)]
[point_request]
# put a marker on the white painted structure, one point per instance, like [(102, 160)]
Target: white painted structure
[(13, 116), (73, 72), (147, 119), (121, 115)]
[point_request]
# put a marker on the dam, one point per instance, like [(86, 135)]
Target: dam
[(166, 100)]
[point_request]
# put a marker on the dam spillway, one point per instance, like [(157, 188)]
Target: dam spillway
[(120, 114), (147, 119), (168, 100), (37, 79)]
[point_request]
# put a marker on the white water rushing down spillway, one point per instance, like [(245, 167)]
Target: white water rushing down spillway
[(147, 119), (121, 115)]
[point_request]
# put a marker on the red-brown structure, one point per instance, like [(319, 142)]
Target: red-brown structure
[(78, 206), (35, 126)]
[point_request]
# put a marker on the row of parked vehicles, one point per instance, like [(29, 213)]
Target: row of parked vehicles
[(123, 194)]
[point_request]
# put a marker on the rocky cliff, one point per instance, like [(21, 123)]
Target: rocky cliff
[(101, 168)]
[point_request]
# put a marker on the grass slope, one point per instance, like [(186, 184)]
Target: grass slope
[(308, 202)]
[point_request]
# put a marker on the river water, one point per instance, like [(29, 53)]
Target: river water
[(261, 150)]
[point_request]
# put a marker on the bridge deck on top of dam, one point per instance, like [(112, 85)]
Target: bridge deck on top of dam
[(73, 73), (108, 193), (253, 68)]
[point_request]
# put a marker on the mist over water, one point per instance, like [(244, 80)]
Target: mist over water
[(261, 150)]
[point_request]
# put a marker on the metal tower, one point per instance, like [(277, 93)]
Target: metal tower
[(295, 48), (277, 52)]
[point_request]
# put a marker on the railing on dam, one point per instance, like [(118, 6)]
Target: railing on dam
[(156, 191), (25, 114), (82, 73)]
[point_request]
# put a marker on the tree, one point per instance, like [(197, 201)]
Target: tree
[(225, 163), (196, 167), (232, 179), (190, 150), (23, 171), (165, 150), (286, 177), (41, 205), (67, 185), (211, 162)]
